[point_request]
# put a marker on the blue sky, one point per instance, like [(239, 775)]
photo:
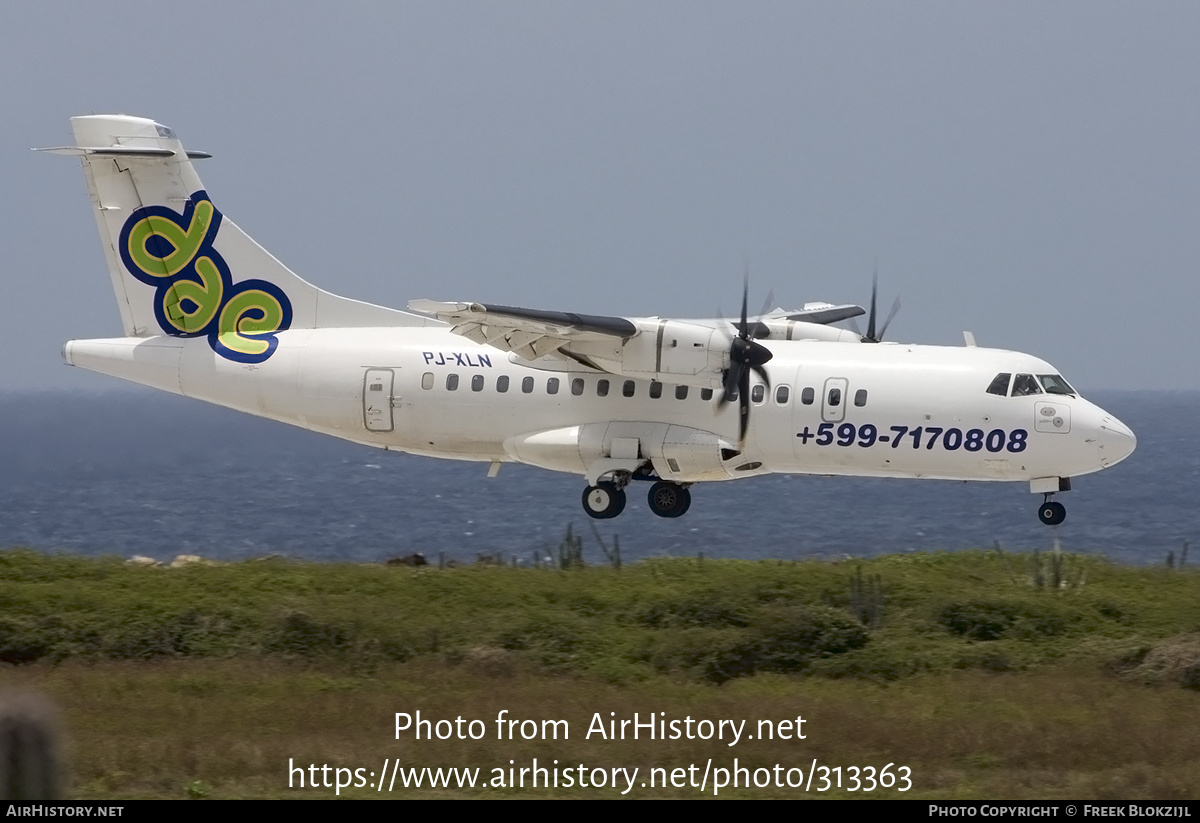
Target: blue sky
[(1027, 171)]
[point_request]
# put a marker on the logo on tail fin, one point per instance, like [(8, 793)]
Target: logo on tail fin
[(194, 290)]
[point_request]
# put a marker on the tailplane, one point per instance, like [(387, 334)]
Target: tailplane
[(178, 265)]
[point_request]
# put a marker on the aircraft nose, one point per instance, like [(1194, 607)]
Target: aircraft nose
[(1115, 441)]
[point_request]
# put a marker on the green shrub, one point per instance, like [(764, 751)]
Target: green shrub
[(300, 635), (781, 639), (977, 620), (698, 610), (994, 619)]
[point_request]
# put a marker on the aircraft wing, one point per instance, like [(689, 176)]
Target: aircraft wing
[(691, 352), (529, 333)]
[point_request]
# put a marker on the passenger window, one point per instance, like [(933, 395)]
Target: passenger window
[(627, 388), (602, 388), (781, 395), (860, 397), (706, 394), (552, 386), (808, 395), (835, 397), (758, 393), (1025, 384), (681, 392), (451, 382), (427, 380), (477, 383), (1000, 384), (502, 383), (655, 389), (527, 385), (577, 386)]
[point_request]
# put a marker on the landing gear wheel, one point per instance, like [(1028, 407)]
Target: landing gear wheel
[(1052, 513), (603, 501), (669, 499)]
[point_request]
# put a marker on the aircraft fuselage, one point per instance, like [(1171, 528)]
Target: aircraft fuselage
[(890, 410)]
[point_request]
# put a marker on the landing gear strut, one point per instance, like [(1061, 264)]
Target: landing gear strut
[(1052, 513), (604, 500), (669, 499)]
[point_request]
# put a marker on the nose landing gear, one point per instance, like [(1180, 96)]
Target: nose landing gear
[(1051, 512)]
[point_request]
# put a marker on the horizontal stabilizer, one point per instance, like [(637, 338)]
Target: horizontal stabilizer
[(825, 313), (123, 151)]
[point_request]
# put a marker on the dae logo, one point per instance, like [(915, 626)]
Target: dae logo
[(194, 291)]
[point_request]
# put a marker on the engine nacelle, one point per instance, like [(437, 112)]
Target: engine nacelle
[(692, 354), (672, 351), (781, 328)]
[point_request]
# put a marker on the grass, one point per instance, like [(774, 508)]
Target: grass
[(990, 675)]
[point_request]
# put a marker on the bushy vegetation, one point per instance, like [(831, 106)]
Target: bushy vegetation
[(710, 621)]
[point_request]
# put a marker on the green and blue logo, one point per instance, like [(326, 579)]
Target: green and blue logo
[(194, 290)]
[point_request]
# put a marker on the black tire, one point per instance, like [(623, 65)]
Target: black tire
[(603, 501), (669, 499), (1052, 513)]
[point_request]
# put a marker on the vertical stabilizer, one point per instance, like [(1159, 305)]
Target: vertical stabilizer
[(178, 266)]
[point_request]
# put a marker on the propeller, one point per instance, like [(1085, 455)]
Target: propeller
[(745, 356), (871, 336)]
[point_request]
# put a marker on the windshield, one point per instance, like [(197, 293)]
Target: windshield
[(1000, 384), (1024, 385), (1054, 384)]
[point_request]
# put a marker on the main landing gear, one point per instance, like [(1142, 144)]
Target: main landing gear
[(669, 499), (606, 499), (1051, 512)]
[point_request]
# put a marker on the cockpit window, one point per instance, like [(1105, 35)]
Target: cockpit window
[(1025, 384), (1054, 384), (1000, 384)]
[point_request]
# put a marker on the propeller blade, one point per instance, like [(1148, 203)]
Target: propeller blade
[(870, 336), (891, 314), (744, 406), (743, 331), (762, 373), (730, 383), (760, 329)]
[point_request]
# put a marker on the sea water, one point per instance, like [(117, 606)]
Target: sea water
[(137, 472)]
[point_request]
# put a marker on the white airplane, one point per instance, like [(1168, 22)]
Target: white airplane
[(209, 314)]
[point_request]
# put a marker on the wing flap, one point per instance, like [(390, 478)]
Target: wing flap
[(528, 333)]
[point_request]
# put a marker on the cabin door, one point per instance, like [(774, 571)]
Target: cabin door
[(377, 399)]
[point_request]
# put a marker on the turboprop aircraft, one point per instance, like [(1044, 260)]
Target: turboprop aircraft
[(209, 314)]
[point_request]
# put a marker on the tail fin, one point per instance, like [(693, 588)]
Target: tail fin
[(178, 266)]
